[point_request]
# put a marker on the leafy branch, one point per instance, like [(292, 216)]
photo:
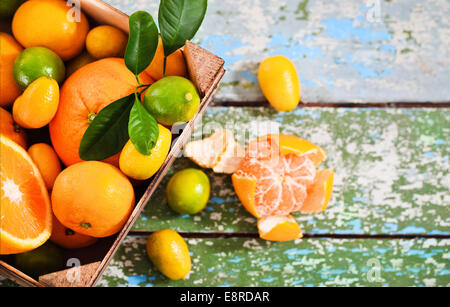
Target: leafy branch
[(126, 118)]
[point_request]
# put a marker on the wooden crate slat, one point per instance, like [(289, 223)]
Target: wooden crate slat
[(392, 172)]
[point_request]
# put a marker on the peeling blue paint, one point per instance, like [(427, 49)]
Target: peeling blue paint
[(344, 29)]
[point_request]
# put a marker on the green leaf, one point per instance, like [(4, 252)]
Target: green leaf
[(179, 20), (107, 133), (142, 128), (142, 42)]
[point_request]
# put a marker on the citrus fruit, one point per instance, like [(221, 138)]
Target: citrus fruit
[(9, 7), (52, 24), (279, 83), (319, 193), (106, 41), (175, 63), (294, 144), (78, 62), (44, 260), (268, 183), (67, 238), (9, 50), (219, 151), (169, 253), (25, 215), (188, 191), (38, 104), (46, 161), (172, 100), (92, 198), (83, 95), (11, 130), (141, 167), (279, 228), (36, 62)]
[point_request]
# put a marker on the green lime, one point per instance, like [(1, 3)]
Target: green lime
[(188, 191), (9, 7), (45, 259), (172, 100), (35, 62)]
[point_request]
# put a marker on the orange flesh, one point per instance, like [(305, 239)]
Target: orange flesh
[(281, 181), (25, 204)]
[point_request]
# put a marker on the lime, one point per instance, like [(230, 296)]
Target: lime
[(45, 259), (35, 62), (9, 7), (172, 100), (188, 191), (169, 253)]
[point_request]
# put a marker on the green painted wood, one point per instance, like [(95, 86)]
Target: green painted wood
[(392, 171), (304, 262), (308, 262)]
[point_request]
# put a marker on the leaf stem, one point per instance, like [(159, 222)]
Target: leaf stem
[(137, 79), (164, 67)]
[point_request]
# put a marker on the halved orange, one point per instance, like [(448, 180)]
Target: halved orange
[(319, 193), (25, 210), (279, 228)]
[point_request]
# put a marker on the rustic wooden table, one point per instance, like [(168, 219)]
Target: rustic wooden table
[(375, 76)]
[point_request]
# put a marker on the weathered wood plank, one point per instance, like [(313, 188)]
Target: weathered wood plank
[(312, 262), (391, 171), (345, 51), (307, 262)]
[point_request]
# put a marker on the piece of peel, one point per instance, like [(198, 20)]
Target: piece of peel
[(219, 151), (230, 160), (279, 228), (319, 193)]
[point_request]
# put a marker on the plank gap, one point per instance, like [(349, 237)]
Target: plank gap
[(226, 235), (391, 105)]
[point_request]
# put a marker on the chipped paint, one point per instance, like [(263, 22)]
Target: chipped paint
[(404, 56)]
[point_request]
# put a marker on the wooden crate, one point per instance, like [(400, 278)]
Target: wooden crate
[(205, 70)]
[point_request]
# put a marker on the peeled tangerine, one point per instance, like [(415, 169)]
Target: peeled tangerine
[(38, 104), (278, 176)]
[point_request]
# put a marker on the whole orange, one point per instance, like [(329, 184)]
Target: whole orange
[(83, 95), (92, 198), (175, 66), (52, 24), (67, 238), (9, 50), (11, 130)]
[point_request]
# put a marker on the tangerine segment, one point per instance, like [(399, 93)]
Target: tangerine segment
[(293, 144), (281, 181), (319, 194), (279, 228), (25, 215)]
